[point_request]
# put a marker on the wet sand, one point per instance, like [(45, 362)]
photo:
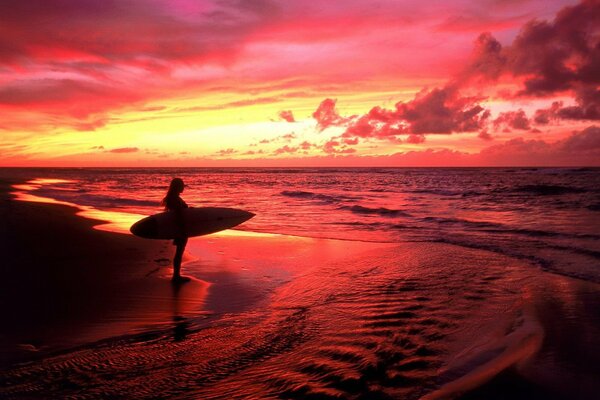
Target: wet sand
[(272, 316)]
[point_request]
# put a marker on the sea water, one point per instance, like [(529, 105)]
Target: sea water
[(548, 216)]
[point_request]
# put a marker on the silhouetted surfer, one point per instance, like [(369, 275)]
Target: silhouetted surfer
[(173, 202)]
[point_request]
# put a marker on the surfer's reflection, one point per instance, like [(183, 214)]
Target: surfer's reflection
[(173, 202), (180, 328), (181, 325)]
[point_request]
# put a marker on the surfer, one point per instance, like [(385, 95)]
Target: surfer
[(173, 202)]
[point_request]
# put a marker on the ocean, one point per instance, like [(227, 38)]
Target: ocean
[(547, 216)]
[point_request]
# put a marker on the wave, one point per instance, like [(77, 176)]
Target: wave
[(440, 192), (548, 190), (473, 369), (492, 227), (386, 212), (301, 194), (594, 207)]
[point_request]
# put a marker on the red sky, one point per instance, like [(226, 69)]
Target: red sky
[(291, 83)]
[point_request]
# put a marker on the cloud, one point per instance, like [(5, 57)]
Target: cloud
[(285, 149), (288, 137), (437, 111), (306, 145), (513, 119), (326, 115), (549, 58), (415, 138), (287, 115), (226, 152), (253, 152), (118, 31), (580, 148), (335, 147), (122, 150), (86, 58), (484, 135), (586, 141)]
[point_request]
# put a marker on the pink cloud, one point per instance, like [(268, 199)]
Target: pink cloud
[(415, 138), (226, 152), (326, 115), (285, 149), (484, 135), (287, 115), (122, 150), (288, 136), (438, 111), (306, 145), (335, 147)]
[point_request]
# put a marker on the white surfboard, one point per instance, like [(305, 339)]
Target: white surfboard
[(189, 222)]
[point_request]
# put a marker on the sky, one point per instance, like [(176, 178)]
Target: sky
[(299, 83)]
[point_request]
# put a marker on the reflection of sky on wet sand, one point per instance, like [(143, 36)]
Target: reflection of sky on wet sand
[(113, 221)]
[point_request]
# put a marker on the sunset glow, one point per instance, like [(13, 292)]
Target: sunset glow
[(299, 83)]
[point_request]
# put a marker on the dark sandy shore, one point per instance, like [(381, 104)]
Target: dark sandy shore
[(282, 317), (65, 283)]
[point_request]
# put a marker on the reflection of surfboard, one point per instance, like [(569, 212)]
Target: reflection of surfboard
[(189, 222)]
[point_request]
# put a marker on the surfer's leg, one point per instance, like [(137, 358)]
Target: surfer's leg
[(180, 243)]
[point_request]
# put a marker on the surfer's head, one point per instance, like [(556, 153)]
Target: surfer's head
[(176, 186)]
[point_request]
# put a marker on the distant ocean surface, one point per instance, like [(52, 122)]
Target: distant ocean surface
[(548, 216)]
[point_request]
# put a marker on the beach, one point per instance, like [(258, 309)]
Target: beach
[(92, 314)]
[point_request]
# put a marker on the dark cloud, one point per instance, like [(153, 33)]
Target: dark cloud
[(585, 141), (545, 116), (442, 111), (549, 56), (587, 108), (513, 119), (581, 148), (561, 56)]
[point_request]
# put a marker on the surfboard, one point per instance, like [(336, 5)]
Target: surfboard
[(189, 222)]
